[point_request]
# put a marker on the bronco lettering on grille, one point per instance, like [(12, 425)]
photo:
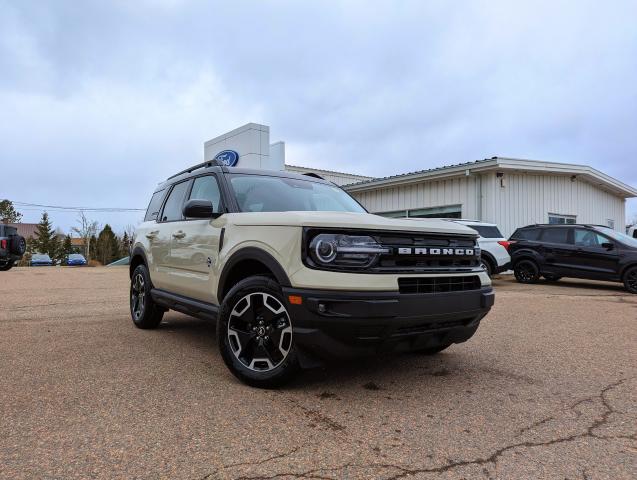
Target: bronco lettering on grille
[(435, 251)]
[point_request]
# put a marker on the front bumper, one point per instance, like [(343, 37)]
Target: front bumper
[(332, 324)]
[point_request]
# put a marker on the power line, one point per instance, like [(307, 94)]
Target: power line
[(25, 205)]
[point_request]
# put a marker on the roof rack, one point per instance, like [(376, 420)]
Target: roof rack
[(209, 163)]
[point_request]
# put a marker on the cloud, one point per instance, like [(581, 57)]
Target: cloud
[(100, 101)]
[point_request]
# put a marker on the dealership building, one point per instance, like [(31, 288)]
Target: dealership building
[(510, 192)]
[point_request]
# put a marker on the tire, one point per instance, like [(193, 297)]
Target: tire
[(433, 350), (526, 271), (144, 312), (551, 278), (630, 280), (486, 264), (255, 336), (6, 266), (18, 245)]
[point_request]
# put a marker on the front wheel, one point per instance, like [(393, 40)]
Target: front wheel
[(255, 335), (144, 312), (526, 271), (630, 280)]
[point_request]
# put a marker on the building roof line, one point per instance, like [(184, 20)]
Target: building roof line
[(496, 163)]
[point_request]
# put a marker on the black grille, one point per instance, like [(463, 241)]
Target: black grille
[(395, 262), (438, 284)]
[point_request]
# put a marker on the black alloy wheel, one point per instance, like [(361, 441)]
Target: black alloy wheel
[(630, 280), (526, 271), (255, 333), (144, 312)]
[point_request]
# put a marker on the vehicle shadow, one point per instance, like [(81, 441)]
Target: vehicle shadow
[(374, 372)]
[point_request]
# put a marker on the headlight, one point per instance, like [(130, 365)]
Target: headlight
[(334, 250)]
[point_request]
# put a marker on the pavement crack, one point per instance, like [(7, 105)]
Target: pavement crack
[(253, 463)]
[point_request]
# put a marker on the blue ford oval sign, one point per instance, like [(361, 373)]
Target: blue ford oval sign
[(228, 157)]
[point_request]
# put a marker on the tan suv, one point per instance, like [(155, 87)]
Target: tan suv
[(294, 270)]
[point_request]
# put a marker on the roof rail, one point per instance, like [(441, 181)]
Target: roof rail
[(312, 174), (209, 163)]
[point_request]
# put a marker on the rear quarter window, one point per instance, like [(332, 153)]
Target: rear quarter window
[(154, 206), (526, 234), (486, 231)]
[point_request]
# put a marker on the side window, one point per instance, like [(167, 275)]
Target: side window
[(153, 207), (555, 235), (589, 238), (207, 188), (172, 208), (527, 234)]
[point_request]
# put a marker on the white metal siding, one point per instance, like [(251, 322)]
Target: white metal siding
[(524, 199)]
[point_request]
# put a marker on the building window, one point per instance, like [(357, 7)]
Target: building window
[(448, 211), (611, 223), (558, 219)]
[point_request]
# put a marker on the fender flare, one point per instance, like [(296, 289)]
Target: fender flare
[(136, 252), (252, 253)]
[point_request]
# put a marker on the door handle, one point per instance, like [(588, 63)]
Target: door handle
[(179, 234), (151, 235)]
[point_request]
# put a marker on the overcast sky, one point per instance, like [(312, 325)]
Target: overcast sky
[(99, 101)]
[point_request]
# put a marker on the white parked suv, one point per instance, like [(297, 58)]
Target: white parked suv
[(494, 247), (294, 270)]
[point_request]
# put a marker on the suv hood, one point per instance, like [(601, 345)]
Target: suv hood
[(347, 220)]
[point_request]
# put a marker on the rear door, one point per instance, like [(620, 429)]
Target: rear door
[(195, 244), (556, 246), (169, 220), (591, 257)]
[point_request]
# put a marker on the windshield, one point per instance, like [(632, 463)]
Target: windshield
[(620, 237), (260, 193), (40, 257), (75, 256)]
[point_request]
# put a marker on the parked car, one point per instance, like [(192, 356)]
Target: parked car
[(493, 245), (592, 252), (40, 260), (75, 259), (295, 271), (12, 247)]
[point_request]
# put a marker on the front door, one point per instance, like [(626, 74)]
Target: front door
[(593, 255), (195, 245)]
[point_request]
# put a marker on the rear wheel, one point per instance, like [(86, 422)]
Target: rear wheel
[(486, 264), (255, 335), (526, 271), (144, 312), (630, 280), (6, 266)]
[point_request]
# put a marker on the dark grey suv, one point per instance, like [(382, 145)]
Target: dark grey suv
[(12, 246)]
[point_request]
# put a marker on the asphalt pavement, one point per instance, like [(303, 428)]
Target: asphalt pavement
[(547, 388)]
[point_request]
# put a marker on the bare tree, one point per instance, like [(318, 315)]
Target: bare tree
[(86, 230)]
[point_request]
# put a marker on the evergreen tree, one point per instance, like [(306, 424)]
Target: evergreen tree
[(66, 248), (125, 246), (44, 239), (92, 248), (108, 246), (7, 211)]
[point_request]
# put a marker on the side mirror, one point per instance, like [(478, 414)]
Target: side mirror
[(199, 209), (608, 245)]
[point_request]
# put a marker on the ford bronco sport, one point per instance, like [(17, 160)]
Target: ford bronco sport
[(12, 246), (295, 271)]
